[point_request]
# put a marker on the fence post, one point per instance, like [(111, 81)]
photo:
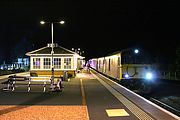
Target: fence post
[(44, 86), (164, 75), (29, 87)]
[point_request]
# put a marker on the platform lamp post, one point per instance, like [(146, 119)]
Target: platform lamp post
[(52, 51)]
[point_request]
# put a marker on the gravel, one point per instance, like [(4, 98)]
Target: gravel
[(43, 112)]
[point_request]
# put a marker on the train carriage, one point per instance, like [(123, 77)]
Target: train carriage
[(112, 65), (93, 63)]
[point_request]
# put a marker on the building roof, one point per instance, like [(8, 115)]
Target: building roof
[(47, 50)]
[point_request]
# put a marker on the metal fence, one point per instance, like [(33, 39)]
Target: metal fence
[(170, 75)]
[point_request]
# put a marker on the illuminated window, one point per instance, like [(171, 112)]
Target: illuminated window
[(57, 63), (67, 63), (47, 63), (36, 63)]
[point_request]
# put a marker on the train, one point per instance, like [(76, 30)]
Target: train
[(131, 67)]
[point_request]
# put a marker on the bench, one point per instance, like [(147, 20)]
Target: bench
[(26, 81)]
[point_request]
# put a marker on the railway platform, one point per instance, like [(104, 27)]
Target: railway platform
[(88, 96)]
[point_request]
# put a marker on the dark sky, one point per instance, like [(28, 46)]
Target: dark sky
[(98, 27)]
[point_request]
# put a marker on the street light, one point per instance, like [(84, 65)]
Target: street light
[(77, 50), (52, 50)]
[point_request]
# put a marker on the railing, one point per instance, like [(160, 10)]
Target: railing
[(169, 75)]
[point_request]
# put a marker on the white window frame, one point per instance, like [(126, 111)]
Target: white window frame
[(35, 66), (59, 63), (47, 63), (68, 61)]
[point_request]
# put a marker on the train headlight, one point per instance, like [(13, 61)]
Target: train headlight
[(126, 76), (149, 75)]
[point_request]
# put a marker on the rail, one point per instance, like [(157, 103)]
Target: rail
[(169, 75)]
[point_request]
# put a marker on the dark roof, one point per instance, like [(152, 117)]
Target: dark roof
[(47, 50)]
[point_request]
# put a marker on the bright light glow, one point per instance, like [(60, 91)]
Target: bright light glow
[(149, 75), (136, 51), (42, 22), (62, 22), (126, 76)]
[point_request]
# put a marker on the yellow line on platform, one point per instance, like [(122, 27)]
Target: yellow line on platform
[(83, 93)]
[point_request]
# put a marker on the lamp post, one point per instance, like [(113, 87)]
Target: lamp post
[(52, 50)]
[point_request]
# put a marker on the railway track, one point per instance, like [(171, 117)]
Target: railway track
[(151, 97), (164, 105)]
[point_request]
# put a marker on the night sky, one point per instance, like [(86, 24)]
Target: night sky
[(98, 27)]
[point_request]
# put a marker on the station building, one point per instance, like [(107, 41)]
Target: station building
[(64, 60)]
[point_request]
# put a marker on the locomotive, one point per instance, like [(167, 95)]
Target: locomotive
[(129, 67)]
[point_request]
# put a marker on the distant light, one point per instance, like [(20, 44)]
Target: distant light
[(42, 22), (62, 22), (149, 75), (72, 48), (136, 51), (78, 48)]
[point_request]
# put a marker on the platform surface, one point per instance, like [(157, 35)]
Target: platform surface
[(85, 97)]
